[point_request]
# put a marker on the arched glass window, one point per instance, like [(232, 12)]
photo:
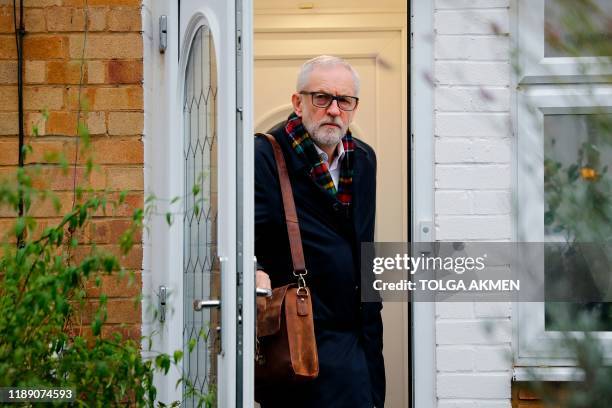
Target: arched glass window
[(200, 266)]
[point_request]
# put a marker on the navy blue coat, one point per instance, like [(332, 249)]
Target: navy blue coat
[(348, 332)]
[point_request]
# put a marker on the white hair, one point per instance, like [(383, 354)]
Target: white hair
[(325, 61)]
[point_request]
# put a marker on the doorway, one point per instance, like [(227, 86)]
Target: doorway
[(374, 41)]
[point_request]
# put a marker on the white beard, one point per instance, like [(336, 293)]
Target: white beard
[(328, 136)]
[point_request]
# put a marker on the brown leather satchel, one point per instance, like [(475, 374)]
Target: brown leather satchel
[(286, 349)]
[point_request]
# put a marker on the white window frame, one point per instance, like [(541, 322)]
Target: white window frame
[(536, 68), (535, 346), (540, 91)]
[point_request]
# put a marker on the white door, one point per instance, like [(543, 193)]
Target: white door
[(216, 159)]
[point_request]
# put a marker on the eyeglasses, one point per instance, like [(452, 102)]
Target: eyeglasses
[(323, 100)]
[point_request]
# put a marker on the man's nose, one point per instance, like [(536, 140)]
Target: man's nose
[(333, 108)]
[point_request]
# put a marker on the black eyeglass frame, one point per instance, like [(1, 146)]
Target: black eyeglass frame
[(333, 98)]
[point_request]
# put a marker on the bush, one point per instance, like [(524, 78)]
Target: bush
[(43, 276)]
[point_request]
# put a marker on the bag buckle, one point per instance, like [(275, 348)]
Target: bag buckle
[(302, 289)]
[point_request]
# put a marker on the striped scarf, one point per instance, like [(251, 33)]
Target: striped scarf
[(304, 146)]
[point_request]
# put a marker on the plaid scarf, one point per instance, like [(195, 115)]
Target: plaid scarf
[(304, 146)]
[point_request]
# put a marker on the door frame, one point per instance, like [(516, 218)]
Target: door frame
[(423, 327)]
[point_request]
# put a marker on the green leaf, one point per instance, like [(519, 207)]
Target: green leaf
[(20, 226), (178, 355), (191, 345)]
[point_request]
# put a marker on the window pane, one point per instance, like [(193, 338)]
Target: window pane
[(578, 28), (578, 208), (201, 279)]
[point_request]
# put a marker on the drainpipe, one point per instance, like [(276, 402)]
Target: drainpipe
[(19, 35)]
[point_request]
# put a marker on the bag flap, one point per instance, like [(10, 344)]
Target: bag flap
[(268, 322)]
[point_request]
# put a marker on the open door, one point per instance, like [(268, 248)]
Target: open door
[(217, 239)]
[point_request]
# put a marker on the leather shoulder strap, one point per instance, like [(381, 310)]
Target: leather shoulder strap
[(293, 227)]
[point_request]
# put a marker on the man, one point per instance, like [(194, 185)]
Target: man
[(333, 178)]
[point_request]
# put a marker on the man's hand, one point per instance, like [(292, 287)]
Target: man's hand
[(262, 280)]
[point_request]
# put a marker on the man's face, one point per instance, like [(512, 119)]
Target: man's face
[(326, 125)]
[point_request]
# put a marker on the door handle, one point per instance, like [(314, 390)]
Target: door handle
[(263, 292), (199, 304)]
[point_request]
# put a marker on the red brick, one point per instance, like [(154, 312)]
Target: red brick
[(118, 98), (61, 123), (9, 123), (34, 20), (6, 20), (119, 45), (35, 71), (8, 72), (115, 286), (61, 72), (47, 151), (55, 178), (8, 98), (43, 97), (7, 47), (110, 151), (133, 260), (45, 47), (35, 120), (96, 123), (95, 72), (124, 72), (103, 2), (45, 208), (73, 19), (41, 3), (125, 178), (127, 331), (132, 201), (124, 19), (118, 310), (9, 152), (87, 97), (109, 231), (125, 123)]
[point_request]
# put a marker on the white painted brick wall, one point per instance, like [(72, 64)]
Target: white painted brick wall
[(473, 154), (472, 48), (463, 22)]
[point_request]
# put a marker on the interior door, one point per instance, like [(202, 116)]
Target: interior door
[(376, 52), (216, 140)]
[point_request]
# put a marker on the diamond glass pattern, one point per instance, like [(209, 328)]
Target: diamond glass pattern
[(201, 275)]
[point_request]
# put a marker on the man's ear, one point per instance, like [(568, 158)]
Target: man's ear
[(296, 100)]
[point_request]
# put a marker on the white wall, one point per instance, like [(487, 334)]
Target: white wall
[(473, 153)]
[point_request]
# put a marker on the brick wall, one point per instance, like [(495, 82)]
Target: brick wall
[(112, 87), (472, 190)]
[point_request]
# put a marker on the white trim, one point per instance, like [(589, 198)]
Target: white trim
[(248, 214), (160, 248), (540, 69), (547, 374), (422, 194)]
